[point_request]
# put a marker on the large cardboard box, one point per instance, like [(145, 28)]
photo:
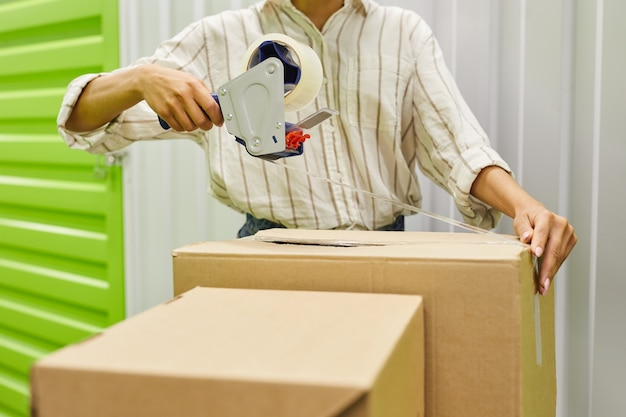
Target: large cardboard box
[(489, 336), (236, 353)]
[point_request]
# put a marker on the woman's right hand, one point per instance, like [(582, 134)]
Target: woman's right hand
[(179, 98)]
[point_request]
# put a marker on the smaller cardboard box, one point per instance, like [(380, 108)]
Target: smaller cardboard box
[(232, 353)]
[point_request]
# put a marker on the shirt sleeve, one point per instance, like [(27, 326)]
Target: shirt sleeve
[(452, 147), (139, 122)]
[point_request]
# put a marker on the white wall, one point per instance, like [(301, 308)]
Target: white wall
[(545, 80), (597, 284)]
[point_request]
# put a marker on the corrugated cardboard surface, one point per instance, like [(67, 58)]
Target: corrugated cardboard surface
[(486, 352), (231, 353)]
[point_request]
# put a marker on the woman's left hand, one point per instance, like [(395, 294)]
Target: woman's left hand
[(550, 236), (551, 239)]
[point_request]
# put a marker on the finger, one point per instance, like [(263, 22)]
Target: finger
[(538, 242), (172, 122), (556, 254), (552, 260), (560, 243), (197, 116), (540, 234), (189, 118), (176, 117), (210, 108), (573, 239), (524, 229), (183, 122)]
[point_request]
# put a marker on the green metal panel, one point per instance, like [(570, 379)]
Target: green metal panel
[(61, 253)]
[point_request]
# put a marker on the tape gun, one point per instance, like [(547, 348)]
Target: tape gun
[(279, 75)]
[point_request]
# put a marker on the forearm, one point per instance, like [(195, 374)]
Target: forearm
[(104, 98), (496, 187)]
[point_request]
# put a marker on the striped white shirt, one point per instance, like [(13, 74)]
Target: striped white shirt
[(399, 110)]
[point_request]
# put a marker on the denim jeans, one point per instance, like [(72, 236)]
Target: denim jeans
[(253, 225)]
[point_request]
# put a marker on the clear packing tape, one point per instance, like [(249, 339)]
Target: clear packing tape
[(405, 206)]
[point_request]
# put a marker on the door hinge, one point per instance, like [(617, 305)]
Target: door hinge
[(103, 162)]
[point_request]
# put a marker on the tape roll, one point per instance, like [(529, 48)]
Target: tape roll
[(310, 82)]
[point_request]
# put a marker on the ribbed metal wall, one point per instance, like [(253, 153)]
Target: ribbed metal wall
[(61, 254), (546, 81)]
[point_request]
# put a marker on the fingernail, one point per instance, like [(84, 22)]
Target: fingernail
[(525, 236), (539, 252), (546, 286)]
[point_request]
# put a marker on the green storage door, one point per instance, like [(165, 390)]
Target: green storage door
[(61, 254)]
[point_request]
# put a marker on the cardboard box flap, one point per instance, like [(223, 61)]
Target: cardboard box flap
[(299, 244), (351, 238)]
